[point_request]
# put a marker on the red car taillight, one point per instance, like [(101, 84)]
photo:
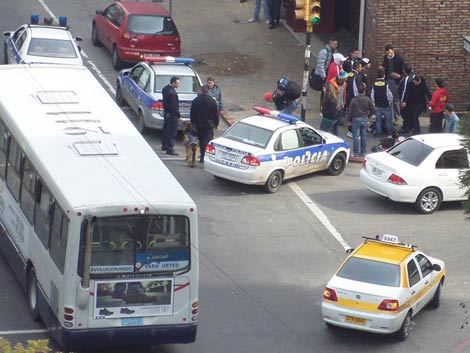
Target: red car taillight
[(251, 160), (158, 105), (210, 148), (389, 305), (396, 179), (330, 294)]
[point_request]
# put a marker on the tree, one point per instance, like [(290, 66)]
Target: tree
[(464, 129)]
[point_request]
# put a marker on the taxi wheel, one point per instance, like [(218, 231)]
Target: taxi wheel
[(337, 165), (436, 299), (32, 288), (117, 62), (405, 328), (274, 182), (141, 123), (429, 200), (119, 98), (94, 37)]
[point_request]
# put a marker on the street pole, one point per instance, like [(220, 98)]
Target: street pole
[(306, 70)]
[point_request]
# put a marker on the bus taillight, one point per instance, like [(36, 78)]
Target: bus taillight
[(68, 311)]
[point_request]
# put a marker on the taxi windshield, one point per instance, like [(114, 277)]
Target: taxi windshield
[(370, 271), (249, 134)]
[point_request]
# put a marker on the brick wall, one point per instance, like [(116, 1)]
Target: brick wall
[(428, 34)]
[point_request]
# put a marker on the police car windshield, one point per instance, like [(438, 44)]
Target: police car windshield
[(53, 48), (189, 84), (369, 271), (411, 151), (249, 134)]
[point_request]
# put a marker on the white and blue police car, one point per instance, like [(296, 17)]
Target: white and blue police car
[(42, 44), (141, 88), (268, 148)]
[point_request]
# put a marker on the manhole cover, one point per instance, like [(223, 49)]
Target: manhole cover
[(227, 64)]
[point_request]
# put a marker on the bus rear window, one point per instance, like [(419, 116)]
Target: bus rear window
[(369, 271), (137, 244)]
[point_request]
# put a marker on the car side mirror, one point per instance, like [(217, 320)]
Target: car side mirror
[(323, 141), (7, 34), (99, 12), (436, 267), (78, 39)]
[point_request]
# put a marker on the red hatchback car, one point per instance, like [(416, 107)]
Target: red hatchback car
[(129, 28)]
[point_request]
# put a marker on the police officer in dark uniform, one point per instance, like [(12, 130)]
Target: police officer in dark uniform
[(171, 115)]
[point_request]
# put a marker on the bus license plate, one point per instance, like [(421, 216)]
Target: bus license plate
[(132, 321)]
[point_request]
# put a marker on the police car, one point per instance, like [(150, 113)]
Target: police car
[(141, 88), (381, 286), (33, 43), (269, 148)]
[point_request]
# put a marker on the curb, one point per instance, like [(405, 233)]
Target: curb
[(356, 159)]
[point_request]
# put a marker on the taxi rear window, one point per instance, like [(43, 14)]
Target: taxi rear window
[(370, 271), (249, 134)]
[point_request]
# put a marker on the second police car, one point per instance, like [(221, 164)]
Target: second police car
[(141, 87), (381, 286), (269, 148)]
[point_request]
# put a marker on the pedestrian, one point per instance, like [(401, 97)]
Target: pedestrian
[(416, 99), (215, 92), (286, 95), (338, 84), (440, 97), (324, 58), (403, 88), (329, 108), (365, 63), (256, 10), (382, 97), (275, 12), (360, 109), (171, 115), (451, 124), (354, 56), (393, 64), (204, 115), (335, 66), (353, 82)]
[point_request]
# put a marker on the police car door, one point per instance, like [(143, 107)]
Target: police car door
[(17, 41), (314, 155), (287, 152), (131, 88)]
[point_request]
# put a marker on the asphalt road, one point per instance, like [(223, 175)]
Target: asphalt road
[(266, 258)]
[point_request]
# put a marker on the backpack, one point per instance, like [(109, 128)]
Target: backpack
[(315, 81), (293, 90)]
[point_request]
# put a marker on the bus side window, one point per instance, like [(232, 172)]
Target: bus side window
[(14, 168), (3, 149), (58, 240), (28, 183), (42, 215)]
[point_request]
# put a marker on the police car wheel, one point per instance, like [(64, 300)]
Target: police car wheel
[(405, 328), (274, 182), (429, 200), (94, 37), (119, 98), (117, 62), (338, 164), (141, 123)]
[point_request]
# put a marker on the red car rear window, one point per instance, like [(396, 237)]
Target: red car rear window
[(151, 24)]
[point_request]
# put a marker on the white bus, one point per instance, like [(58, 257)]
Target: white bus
[(100, 234)]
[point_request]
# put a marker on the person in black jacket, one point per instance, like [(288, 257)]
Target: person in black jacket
[(204, 117), (416, 99), (404, 86), (171, 115), (393, 65)]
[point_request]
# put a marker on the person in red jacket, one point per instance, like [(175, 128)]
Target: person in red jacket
[(335, 66), (439, 98)]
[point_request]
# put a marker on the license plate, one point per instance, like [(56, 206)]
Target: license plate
[(355, 320), (376, 171), (132, 321), (228, 156), (154, 55)]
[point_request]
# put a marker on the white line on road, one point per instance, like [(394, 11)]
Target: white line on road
[(22, 332), (108, 85), (319, 214), (172, 158)]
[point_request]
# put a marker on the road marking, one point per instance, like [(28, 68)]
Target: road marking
[(319, 214), (93, 67), (22, 332), (172, 158)]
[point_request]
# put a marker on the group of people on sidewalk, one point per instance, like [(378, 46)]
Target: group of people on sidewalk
[(272, 12), (397, 93)]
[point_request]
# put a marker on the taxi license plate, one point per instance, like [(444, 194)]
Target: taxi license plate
[(132, 321), (228, 156), (355, 320)]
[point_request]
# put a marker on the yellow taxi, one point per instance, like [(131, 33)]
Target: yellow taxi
[(381, 286)]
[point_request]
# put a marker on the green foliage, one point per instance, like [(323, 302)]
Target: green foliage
[(464, 129), (32, 346)]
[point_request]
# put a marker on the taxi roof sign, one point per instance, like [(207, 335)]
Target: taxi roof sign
[(277, 114), (167, 59), (390, 239)]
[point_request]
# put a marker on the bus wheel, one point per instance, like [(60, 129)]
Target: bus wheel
[(32, 295)]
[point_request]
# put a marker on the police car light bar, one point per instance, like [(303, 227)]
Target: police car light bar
[(34, 19), (167, 59), (49, 21), (277, 114)]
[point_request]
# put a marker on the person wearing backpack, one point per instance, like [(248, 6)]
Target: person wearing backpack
[(286, 95)]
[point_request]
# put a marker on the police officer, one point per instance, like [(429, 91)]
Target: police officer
[(171, 115)]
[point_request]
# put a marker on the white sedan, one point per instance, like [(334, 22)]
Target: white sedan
[(269, 148), (423, 169), (43, 44)]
